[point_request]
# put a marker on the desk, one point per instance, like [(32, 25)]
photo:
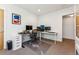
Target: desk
[(52, 33), (40, 35), (25, 36)]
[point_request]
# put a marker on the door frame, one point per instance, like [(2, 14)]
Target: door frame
[(73, 23), (3, 29)]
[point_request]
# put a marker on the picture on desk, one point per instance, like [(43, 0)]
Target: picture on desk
[(16, 19)]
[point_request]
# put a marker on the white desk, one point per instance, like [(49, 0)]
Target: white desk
[(25, 37), (52, 33)]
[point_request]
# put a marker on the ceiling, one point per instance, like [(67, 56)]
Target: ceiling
[(44, 8)]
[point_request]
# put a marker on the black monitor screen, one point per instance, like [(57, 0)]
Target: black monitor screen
[(28, 27), (47, 28)]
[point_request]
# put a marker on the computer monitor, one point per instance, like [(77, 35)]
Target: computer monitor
[(48, 28), (42, 27), (28, 27)]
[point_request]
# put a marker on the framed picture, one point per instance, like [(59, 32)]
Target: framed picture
[(16, 19)]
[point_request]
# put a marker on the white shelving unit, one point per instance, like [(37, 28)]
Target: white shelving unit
[(17, 42)]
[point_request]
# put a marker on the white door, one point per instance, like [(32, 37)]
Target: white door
[(68, 27)]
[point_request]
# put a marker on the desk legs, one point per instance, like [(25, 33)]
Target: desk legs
[(40, 36), (55, 38), (22, 42)]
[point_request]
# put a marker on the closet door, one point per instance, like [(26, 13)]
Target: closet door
[(1, 28), (77, 26)]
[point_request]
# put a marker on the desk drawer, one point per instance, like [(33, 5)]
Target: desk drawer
[(18, 40), (17, 45)]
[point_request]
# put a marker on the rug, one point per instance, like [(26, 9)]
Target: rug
[(39, 48)]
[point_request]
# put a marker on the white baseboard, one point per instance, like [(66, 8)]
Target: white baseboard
[(68, 38)]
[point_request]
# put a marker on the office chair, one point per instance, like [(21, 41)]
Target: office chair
[(34, 38)]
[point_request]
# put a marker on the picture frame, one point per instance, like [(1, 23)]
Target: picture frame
[(16, 19)]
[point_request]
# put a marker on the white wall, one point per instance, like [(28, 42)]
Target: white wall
[(54, 19), (11, 29), (68, 27)]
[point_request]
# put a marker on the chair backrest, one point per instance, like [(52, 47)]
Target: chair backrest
[(33, 35)]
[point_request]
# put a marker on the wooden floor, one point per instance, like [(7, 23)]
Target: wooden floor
[(67, 47)]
